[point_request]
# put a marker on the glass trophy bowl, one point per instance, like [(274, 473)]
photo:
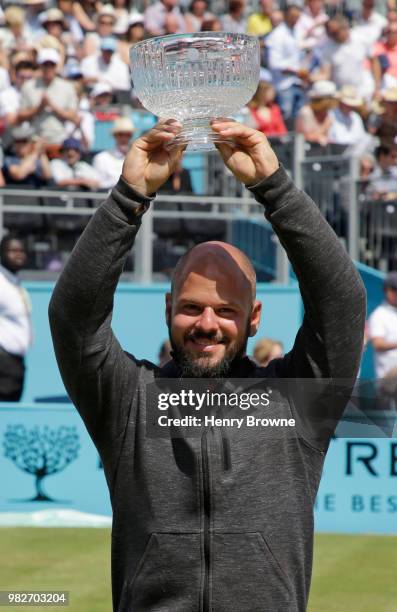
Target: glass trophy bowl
[(195, 78)]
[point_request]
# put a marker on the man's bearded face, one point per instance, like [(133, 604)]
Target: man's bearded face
[(209, 325)]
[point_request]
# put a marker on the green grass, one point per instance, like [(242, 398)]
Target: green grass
[(351, 573)]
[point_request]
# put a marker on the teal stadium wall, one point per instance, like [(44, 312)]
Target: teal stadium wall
[(139, 324)]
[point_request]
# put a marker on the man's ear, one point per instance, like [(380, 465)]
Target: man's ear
[(168, 308), (255, 317)]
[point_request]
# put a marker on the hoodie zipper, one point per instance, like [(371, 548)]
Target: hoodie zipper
[(207, 510)]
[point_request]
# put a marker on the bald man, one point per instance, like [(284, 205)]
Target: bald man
[(222, 521)]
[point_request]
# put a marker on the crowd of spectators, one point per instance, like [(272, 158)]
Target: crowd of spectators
[(329, 71)]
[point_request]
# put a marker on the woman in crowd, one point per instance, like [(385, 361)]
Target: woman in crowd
[(267, 349), (134, 34), (85, 12), (265, 114), (15, 36)]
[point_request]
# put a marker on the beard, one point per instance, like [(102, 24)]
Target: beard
[(202, 367)]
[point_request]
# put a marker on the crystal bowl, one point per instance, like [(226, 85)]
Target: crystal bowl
[(195, 78)]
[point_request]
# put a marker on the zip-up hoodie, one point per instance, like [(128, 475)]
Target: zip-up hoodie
[(221, 522)]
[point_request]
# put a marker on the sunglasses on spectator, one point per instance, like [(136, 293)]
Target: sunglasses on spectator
[(109, 22)]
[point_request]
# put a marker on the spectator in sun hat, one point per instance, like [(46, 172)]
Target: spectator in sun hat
[(76, 33), (33, 10), (314, 119), (108, 164), (104, 26), (28, 163), (107, 65), (386, 125), (56, 35), (347, 125), (48, 101), (70, 170), (15, 36)]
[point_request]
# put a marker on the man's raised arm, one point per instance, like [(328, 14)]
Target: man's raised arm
[(99, 377)]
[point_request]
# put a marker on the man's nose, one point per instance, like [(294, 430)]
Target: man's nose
[(208, 321)]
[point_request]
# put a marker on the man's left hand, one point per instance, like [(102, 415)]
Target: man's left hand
[(250, 156)]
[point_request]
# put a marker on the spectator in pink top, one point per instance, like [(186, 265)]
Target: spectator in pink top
[(265, 114), (388, 47)]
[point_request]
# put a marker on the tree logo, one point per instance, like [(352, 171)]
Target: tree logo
[(41, 452)]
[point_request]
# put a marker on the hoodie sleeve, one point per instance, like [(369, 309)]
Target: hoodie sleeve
[(330, 341), (100, 378)]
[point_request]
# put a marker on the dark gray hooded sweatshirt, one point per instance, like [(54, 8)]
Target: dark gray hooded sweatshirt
[(221, 522)]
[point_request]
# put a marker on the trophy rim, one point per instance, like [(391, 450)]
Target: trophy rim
[(195, 35)]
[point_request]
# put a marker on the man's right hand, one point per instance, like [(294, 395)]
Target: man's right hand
[(148, 164)]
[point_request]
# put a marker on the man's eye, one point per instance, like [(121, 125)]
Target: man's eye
[(226, 312), (191, 308)]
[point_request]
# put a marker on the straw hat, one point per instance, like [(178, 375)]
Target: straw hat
[(389, 95), (52, 15), (34, 2), (14, 16), (106, 11), (348, 95), (322, 89), (123, 124)]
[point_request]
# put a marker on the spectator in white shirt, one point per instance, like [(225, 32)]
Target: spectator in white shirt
[(70, 171), (108, 66), (235, 20), (382, 182), (48, 101), (10, 98), (197, 14), (15, 323), (343, 58), (382, 328), (108, 164), (311, 24), (370, 24), (285, 63), (155, 17)]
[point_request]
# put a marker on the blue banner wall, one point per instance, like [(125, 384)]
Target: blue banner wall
[(358, 491)]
